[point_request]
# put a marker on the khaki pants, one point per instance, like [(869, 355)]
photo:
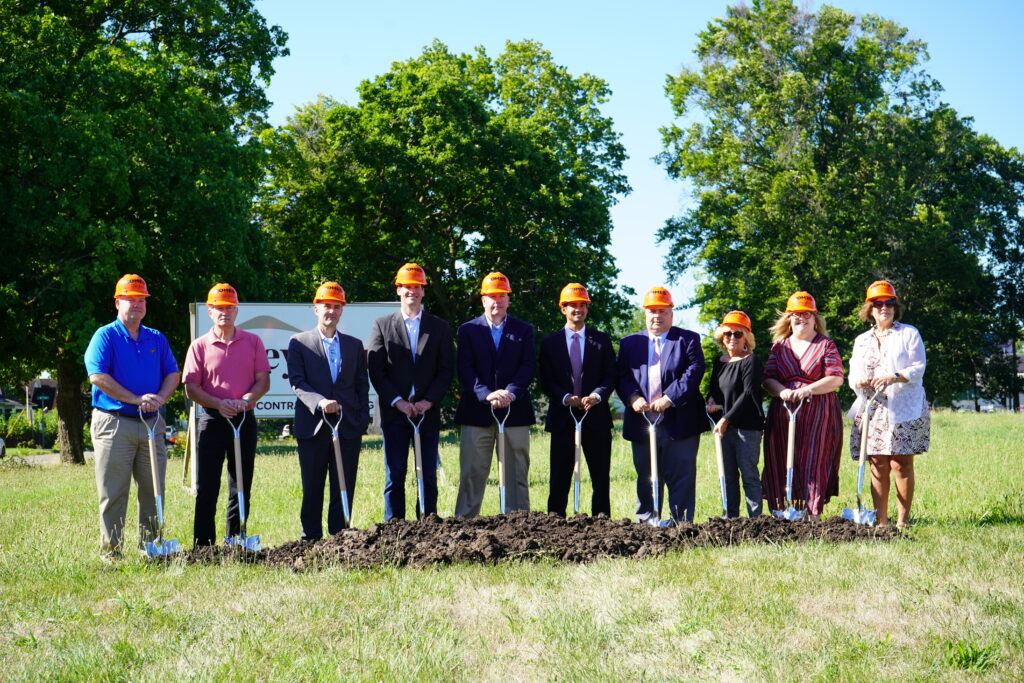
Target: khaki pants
[(475, 449), (121, 445)]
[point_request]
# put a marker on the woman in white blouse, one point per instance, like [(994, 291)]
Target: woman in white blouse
[(889, 358)]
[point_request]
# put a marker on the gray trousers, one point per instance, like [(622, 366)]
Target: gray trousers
[(475, 452), (741, 451), (121, 445)]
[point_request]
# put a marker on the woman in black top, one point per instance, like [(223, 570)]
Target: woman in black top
[(735, 399)]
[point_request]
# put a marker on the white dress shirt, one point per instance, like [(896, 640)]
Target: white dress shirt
[(902, 352)]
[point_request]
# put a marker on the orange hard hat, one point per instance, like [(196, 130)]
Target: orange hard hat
[(222, 294), (880, 289), (330, 293), (658, 297), (737, 318), (130, 284), (801, 302), (411, 274), (495, 283), (573, 293)]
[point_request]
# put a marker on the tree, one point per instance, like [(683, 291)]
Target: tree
[(128, 147), (822, 159), (462, 163)]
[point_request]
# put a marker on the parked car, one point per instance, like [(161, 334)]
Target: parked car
[(170, 435)]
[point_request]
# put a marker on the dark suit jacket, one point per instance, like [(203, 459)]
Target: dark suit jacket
[(483, 369), (598, 378), (682, 368), (394, 373), (310, 377)]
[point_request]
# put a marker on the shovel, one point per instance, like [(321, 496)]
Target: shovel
[(655, 482), (576, 467), (501, 456), (721, 468), (158, 546), (336, 442), (860, 515), (419, 462), (791, 513), (247, 542)]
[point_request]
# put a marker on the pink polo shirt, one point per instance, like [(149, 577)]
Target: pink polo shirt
[(225, 369)]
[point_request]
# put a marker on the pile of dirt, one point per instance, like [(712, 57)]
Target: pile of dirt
[(531, 535)]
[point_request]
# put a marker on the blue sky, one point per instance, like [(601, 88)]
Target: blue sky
[(975, 50)]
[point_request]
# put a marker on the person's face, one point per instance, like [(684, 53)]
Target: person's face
[(495, 305), (410, 295), (328, 314), (802, 323), (575, 312), (223, 316), (658, 320), (884, 312), (130, 309), (734, 340)]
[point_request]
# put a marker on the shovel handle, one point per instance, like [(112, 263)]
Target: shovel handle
[(239, 479), (339, 466), (652, 440)]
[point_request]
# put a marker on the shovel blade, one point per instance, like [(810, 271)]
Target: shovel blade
[(248, 542), (859, 516), (156, 549), (791, 514)]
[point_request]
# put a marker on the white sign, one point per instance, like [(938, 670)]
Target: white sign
[(275, 324)]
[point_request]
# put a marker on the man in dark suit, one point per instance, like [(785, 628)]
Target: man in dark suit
[(577, 372), (496, 364), (327, 371), (660, 371), (411, 362)]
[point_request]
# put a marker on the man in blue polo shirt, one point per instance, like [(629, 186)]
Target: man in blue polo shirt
[(130, 366)]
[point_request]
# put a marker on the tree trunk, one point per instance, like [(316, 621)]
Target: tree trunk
[(70, 419)]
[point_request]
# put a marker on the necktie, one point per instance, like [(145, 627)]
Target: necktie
[(496, 335), (576, 363), (334, 358), (654, 370)]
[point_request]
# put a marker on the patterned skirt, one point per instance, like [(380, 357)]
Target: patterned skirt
[(884, 438)]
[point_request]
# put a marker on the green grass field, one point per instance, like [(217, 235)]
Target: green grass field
[(948, 604)]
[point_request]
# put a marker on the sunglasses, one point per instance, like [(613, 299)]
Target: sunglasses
[(879, 303), (735, 334)]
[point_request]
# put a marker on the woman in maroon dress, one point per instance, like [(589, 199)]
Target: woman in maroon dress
[(803, 366)]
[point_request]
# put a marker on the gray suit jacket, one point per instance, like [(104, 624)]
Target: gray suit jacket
[(310, 377)]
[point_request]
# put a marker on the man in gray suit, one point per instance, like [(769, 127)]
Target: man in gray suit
[(411, 362), (327, 371)]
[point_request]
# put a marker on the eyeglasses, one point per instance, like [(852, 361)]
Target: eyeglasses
[(800, 314), (879, 303), (735, 334)]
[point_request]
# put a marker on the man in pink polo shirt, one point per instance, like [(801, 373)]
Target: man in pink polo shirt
[(226, 372)]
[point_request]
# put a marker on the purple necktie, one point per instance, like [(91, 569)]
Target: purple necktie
[(576, 362), (654, 371)]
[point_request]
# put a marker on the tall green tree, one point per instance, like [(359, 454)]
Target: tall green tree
[(463, 163), (821, 158), (128, 146)]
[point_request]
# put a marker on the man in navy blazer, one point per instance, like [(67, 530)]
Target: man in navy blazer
[(660, 371), (411, 361), (327, 371), (495, 359), (577, 372)]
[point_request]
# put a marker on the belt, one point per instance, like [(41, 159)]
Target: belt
[(119, 413)]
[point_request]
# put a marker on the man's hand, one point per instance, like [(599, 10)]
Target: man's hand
[(500, 398), (713, 407), (150, 402), (638, 404), (660, 405), (405, 408), (229, 407), (575, 402), (422, 407), (589, 402), (329, 405)]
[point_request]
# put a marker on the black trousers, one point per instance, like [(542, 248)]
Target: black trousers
[(214, 445), (316, 460), (597, 449)]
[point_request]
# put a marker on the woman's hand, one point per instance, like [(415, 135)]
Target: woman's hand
[(879, 383), (713, 407), (721, 426)]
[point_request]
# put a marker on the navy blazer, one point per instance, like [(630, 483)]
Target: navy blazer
[(310, 376), (598, 378), (682, 368), (393, 372), (483, 369)]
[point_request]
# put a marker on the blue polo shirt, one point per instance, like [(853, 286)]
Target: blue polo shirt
[(138, 365)]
